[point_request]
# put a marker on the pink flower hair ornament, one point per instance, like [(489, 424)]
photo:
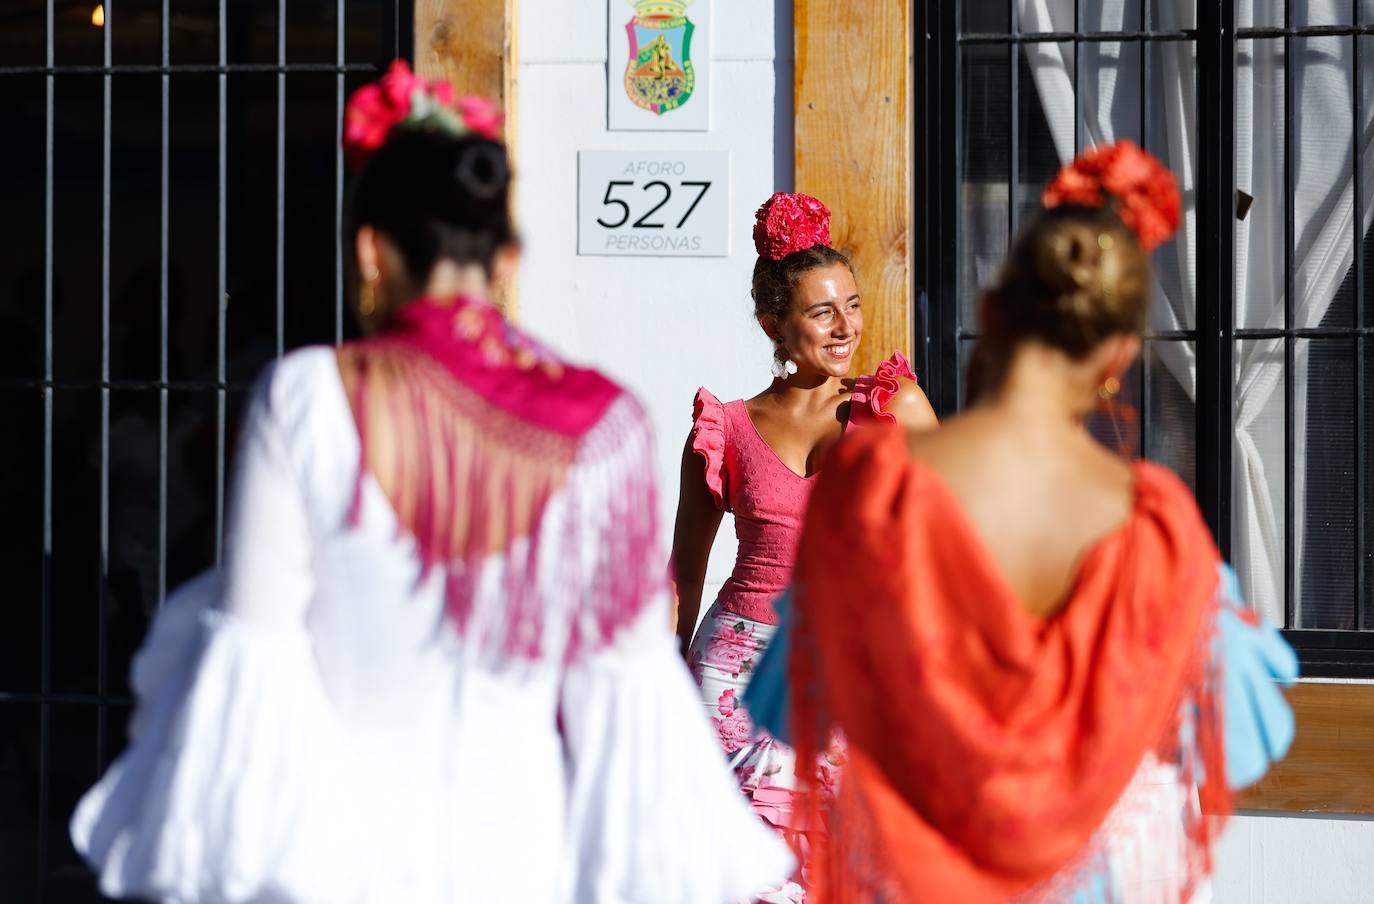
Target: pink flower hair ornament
[(790, 222), (403, 99)]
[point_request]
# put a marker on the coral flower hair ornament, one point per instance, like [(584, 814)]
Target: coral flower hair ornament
[(790, 222), (403, 99), (1142, 190)]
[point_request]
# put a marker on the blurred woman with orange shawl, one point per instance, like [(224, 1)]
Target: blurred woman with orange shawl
[(1021, 643)]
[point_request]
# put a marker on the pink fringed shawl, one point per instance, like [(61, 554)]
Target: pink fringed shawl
[(470, 428)]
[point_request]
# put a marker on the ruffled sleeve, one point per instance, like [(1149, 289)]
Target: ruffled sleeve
[(872, 392), (708, 441), (656, 812), (1256, 661), (230, 787)]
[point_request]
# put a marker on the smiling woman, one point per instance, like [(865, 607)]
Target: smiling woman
[(758, 460)]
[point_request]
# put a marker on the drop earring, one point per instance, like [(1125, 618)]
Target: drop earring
[(783, 365), (1127, 443)]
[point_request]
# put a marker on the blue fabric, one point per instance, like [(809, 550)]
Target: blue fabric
[(766, 698), (1255, 661)]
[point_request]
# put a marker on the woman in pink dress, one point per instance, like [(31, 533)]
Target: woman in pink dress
[(758, 459)]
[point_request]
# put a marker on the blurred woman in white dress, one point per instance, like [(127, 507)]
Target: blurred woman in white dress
[(436, 665)]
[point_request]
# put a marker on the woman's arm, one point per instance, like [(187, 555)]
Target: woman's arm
[(698, 519), (911, 408)]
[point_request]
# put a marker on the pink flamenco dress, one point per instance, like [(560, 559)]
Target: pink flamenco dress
[(768, 500)]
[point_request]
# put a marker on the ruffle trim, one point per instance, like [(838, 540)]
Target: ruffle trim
[(230, 789), (872, 392), (655, 814), (708, 441)]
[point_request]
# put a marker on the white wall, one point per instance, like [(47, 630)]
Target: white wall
[(665, 327), (661, 326), (1296, 860)]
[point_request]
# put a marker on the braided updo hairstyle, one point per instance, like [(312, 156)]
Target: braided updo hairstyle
[(1075, 277), (436, 196)]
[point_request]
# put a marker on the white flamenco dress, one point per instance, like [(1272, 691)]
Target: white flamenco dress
[(312, 727)]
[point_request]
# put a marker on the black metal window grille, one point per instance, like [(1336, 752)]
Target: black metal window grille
[(983, 150), (172, 185)]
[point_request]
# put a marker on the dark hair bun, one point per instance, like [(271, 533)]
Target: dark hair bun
[(437, 196), (482, 171)]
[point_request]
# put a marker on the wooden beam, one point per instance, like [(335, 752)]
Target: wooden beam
[(1331, 766), (472, 44), (853, 150)]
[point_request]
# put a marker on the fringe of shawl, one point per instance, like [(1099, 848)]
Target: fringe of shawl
[(844, 859), (470, 482)]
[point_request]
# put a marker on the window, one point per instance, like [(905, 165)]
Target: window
[(1255, 380), (172, 183)]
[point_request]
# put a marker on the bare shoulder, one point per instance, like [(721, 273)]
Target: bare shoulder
[(910, 407)]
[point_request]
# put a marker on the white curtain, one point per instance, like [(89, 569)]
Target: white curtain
[(1323, 206)]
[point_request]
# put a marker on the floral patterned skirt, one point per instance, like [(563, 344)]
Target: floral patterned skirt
[(722, 658)]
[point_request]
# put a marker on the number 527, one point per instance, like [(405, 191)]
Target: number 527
[(644, 222)]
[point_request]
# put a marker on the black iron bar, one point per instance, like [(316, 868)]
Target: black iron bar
[(1014, 161), (947, 157), (1292, 618), (1077, 70), (1158, 336), (103, 588), (221, 282), (1144, 50), (1087, 37), (1215, 240), (164, 312), (1308, 332), (96, 385), (1311, 332), (48, 698), (46, 589), (1305, 31), (187, 69), (1188, 34), (339, 88), (281, 179), (1361, 389)]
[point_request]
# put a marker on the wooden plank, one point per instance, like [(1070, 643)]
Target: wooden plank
[(468, 42), (853, 150), (1331, 766), (472, 44)]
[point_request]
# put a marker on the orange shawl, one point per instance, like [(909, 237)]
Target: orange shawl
[(987, 746)]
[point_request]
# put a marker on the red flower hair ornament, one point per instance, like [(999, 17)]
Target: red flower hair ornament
[(1143, 191), (402, 98), (790, 222)]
